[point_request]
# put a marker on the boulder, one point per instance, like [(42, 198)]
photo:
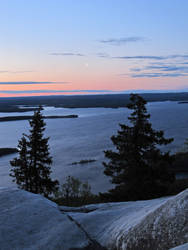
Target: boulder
[(158, 224), (181, 247), (29, 221)]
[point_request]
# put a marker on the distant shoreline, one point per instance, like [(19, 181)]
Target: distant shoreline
[(16, 104), (184, 102), (28, 117)]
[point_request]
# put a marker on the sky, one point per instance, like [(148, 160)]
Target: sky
[(60, 47)]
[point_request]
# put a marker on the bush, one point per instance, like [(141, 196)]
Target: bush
[(75, 193), (180, 162), (178, 186)]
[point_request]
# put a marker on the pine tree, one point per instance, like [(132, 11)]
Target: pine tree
[(138, 168), (20, 170), (32, 170)]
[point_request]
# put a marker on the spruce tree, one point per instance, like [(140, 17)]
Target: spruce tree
[(20, 170), (32, 169), (138, 168)]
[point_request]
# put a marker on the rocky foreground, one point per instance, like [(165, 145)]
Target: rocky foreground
[(29, 221)]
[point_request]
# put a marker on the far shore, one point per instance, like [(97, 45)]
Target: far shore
[(25, 104)]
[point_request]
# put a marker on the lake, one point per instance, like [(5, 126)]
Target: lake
[(87, 136)]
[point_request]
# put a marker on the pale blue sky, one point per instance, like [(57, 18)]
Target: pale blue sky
[(94, 44)]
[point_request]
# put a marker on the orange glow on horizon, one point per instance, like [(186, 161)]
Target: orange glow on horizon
[(98, 83)]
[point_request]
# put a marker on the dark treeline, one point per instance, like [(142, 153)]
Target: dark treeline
[(84, 101)]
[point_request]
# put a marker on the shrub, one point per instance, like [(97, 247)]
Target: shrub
[(75, 193)]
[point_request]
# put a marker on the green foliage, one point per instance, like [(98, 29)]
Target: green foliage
[(74, 193), (31, 170), (138, 168)]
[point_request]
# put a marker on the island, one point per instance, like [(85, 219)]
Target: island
[(183, 102), (7, 151), (82, 162), (28, 117)]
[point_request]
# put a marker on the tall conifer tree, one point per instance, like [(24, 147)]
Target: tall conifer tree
[(138, 168), (32, 170), (20, 170)]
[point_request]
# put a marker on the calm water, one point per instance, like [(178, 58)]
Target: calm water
[(88, 136)]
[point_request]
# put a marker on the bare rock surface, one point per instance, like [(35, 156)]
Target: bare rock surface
[(29, 221), (181, 247), (158, 224)]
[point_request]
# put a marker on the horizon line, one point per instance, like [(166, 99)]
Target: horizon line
[(127, 92)]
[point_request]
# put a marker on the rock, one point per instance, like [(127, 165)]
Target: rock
[(29, 221), (162, 228), (182, 247), (83, 209), (157, 224)]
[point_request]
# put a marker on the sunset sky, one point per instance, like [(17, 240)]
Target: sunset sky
[(52, 47)]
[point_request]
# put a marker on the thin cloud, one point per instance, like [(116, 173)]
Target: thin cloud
[(179, 56), (122, 41), (158, 71), (30, 83), (157, 75), (16, 72), (152, 57), (169, 68), (65, 54), (136, 69), (103, 55), (140, 57), (173, 68), (56, 91)]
